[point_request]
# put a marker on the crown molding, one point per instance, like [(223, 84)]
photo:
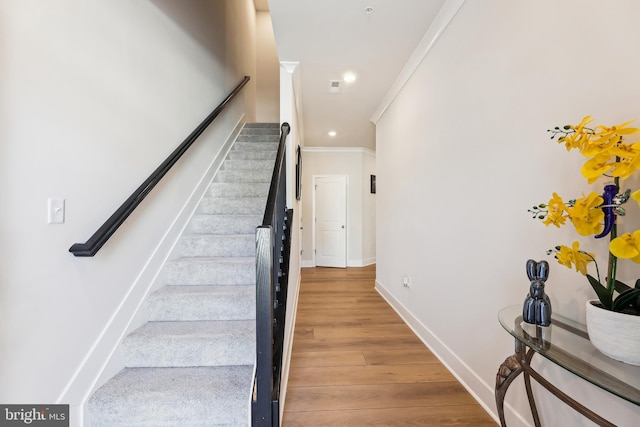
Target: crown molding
[(289, 66), (361, 150), (437, 27)]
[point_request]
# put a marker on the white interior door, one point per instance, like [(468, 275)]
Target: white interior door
[(330, 225)]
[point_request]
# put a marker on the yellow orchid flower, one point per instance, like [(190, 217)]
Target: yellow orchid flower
[(585, 215), (573, 256), (555, 210), (595, 167), (565, 256), (629, 160), (627, 246), (622, 129), (579, 137), (636, 196), (605, 142), (585, 121)]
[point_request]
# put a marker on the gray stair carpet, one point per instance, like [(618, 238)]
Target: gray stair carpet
[(191, 363)]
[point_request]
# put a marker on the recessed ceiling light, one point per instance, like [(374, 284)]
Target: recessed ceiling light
[(368, 10), (349, 77), (332, 133)]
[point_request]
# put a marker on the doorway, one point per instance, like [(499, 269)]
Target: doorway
[(330, 221)]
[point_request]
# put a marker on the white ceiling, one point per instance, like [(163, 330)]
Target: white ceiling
[(330, 37)]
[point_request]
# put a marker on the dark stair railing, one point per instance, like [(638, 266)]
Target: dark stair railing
[(106, 230), (273, 247)]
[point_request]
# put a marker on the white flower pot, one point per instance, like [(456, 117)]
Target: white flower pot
[(616, 335)]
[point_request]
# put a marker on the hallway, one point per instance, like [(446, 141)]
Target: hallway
[(355, 362)]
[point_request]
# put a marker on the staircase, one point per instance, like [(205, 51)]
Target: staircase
[(192, 363)]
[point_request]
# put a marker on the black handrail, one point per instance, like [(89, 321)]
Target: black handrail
[(106, 230), (273, 247)]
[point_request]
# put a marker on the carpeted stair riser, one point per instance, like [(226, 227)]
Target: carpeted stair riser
[(255, 129), (228, 206), (191, 364), (248, 164), (252, 155), (192, 303), (213, 245), (258, 138), (243, 189), (223, 224), (251, 146), (171, 397), (243, 176), (183, 344), (211, 271)]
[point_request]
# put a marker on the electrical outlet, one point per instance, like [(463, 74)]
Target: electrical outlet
[(406, 282)]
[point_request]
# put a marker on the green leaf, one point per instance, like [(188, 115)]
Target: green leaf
[(603, 294), (638, 284), (621, 287), (625, 299)]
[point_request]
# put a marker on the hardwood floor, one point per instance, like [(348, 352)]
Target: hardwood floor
[(355, 362)]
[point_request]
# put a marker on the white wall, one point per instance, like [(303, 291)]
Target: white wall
[(368, 210), (268, 71), (356, 164), (462, 154), (93, 96)]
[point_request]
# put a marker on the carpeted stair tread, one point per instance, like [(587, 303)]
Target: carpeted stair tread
[(171, 397), (182, 344), (192, 303)]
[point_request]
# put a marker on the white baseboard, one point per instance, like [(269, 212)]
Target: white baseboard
[(351, 263), (482, 392), (369, 261), (288, 347), (102, 360)]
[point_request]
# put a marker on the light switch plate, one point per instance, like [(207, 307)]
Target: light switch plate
[(55, 211)]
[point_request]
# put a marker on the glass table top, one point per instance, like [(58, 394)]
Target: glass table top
[(567, 344)]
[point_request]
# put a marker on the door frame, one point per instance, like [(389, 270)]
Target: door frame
[(346, 214)]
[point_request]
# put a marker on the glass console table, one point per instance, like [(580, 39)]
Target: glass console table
[(566, 344)]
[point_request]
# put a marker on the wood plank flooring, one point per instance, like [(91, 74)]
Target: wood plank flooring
[(355, 362)]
